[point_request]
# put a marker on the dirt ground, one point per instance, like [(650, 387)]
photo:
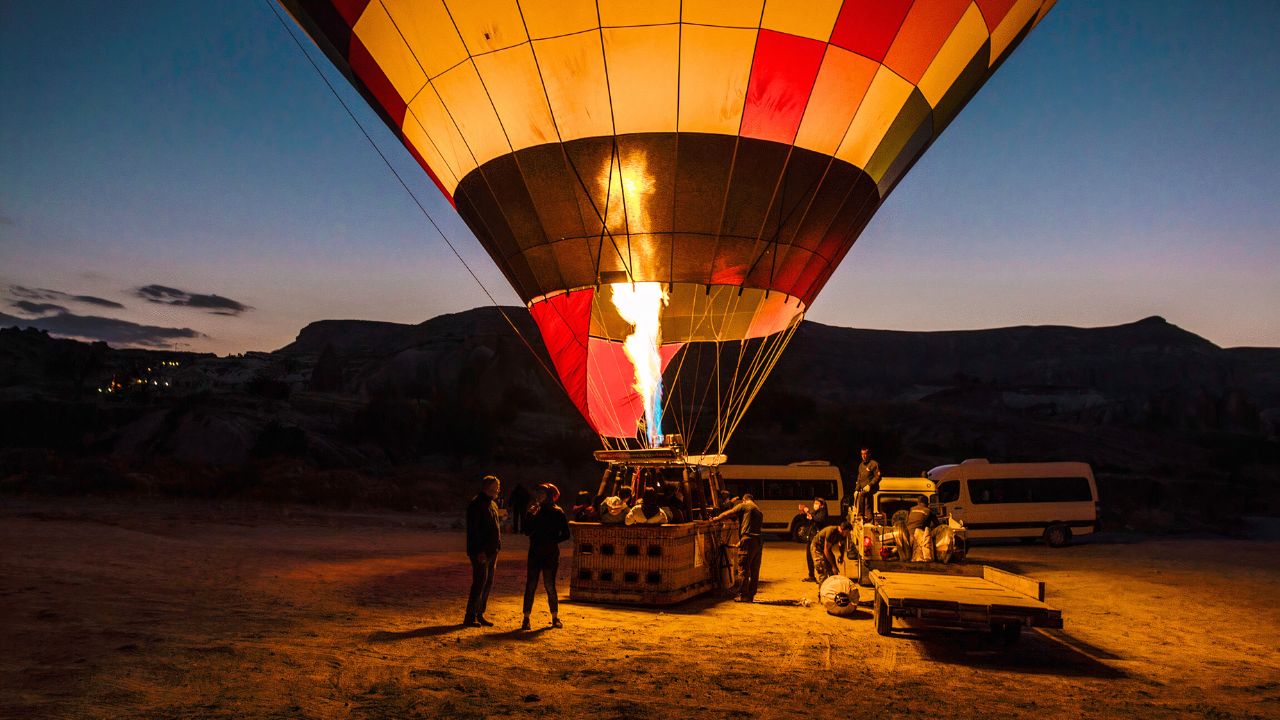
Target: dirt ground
[(110, 610)]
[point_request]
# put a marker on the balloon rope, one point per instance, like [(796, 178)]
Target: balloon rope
[(414, 197), (775, 355)]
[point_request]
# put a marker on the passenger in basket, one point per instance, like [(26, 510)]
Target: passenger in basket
[(613, 511), (816, 519), (827, 549), (546, 527), (584, 510), (750, 550), (648, 512), (484, 539)]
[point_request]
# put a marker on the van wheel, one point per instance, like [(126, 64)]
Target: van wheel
[(1057, 535), (799, 530)]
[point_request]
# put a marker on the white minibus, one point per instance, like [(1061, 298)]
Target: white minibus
[(778, 489), (1053, 500)]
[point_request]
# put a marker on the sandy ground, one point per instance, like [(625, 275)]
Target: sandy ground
[(114, 610)]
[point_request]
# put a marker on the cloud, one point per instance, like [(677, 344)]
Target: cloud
[(45, 294), (109, 330), (215, 304), (36, 308)]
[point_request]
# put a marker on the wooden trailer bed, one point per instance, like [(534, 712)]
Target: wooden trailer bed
[(972, 596)]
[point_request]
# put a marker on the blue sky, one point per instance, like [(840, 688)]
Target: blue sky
[(1121, 164)]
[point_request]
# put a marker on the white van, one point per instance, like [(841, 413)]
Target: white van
[(1020, 500), (778, 489)]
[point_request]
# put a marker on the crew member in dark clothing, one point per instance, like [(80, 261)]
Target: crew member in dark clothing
[(816, 517), (517, 506), (547, 527), (484, 539), (826, 549), (921, 515), (868, 481), (750, 551)]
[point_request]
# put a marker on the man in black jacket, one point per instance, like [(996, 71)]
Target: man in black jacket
[(484, 539)]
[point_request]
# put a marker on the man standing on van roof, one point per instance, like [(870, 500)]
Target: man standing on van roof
[(750, 551), (868, 480)]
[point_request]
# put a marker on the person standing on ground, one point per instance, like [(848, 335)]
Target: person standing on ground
[(517, 506), (868, 480), (484, 539), (816, 518), (547, 527), (826, 549), (750, 551)]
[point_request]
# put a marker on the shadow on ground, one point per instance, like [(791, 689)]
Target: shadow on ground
[(1038, 652)]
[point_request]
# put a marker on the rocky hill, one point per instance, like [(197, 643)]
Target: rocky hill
[(1182, 433)]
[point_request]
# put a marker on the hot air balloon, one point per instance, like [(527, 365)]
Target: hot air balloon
[(686, 174)]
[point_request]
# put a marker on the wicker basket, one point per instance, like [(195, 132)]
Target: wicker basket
[(646, 564)]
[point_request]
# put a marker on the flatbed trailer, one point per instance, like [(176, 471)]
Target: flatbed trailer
[(961, 596)]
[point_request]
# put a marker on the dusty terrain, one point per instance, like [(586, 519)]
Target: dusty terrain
[(161, 610)]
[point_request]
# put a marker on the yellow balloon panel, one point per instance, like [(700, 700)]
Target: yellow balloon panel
[(511, 78), (576, 84), (381, 38), (723, 13), (812, 20), (416, 135), (488, 25), (961, 47), (552, 19), (621, 13), (884, 100), (469, 107), (714, 70), (643, 65), (426, 26)]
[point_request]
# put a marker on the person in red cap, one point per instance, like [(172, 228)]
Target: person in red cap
[(547, 527)]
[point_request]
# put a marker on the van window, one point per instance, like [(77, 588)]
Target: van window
[(1029, 490), (949, 491), (800, 490), (738, 487)]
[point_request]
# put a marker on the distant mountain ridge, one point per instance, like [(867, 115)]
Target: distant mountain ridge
[(1175, 426)]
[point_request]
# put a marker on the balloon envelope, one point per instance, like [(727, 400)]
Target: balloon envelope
[(731, 151)]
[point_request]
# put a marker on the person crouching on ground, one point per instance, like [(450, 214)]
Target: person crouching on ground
[(825, 549), (484, 539), (547, 527), (750, 551)]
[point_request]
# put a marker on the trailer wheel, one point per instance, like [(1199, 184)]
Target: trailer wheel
[(1057, 535), (883, 619)]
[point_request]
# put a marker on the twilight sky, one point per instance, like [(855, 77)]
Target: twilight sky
[(176, 174)]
